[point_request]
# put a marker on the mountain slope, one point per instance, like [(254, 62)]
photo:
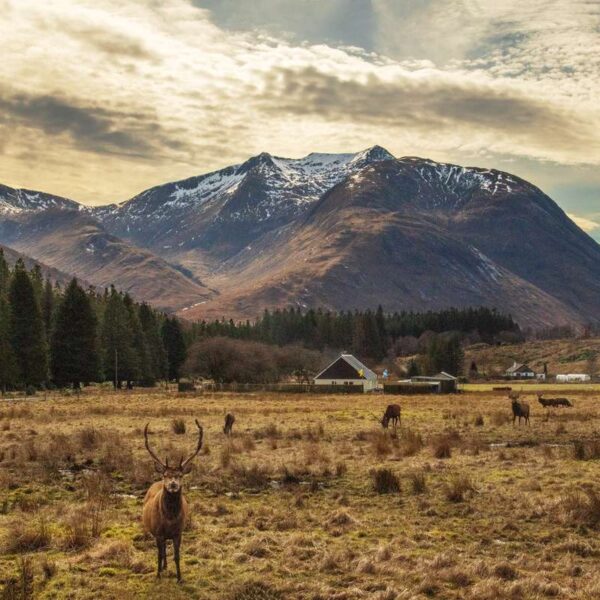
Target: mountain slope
[(339, 231), (55, 275), (75, 242)]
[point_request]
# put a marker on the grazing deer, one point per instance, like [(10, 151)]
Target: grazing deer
[(554, 402), (165, 510), (392, 413), (519, 409), (229, 421)]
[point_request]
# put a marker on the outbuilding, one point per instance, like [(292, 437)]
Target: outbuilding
[(347, 370), (447, 384), (573, 378)]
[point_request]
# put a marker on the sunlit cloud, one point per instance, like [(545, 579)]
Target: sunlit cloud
[(101, 99), (588, 225)]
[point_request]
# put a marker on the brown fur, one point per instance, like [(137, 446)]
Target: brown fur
[(165, 512), (393, 414)]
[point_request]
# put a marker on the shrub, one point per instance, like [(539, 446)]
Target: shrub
[(385, 481), (411, 442), (178, 426), (381, 444)]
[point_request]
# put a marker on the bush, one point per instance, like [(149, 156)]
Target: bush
[(27, 536), (441, 447), (385, 481), (582, 508)]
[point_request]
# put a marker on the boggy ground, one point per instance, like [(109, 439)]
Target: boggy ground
[(308, 500)]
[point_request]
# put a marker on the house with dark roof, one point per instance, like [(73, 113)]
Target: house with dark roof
[(520, 371), (347, 370)]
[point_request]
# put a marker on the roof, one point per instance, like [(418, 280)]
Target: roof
[(445, 376), (517, 367), (346, 366)]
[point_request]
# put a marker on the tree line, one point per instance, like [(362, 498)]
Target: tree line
[(368, 334), (55, 337)]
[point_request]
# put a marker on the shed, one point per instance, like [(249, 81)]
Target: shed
[(447, 383), (520, 371), (347, 370)]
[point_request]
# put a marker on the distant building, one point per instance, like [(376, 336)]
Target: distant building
[(520, 371), (573, 378), (347, 370), (447, 384)]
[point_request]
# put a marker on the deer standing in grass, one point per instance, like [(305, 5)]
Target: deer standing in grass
[(229, 421), (392, 414), (165, 510), (519, 409)]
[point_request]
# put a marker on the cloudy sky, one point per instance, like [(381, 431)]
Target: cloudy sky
[(100, 99)]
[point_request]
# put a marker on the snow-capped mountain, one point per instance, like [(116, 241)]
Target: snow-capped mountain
[(231, 207), (15, 201), (337, 231)]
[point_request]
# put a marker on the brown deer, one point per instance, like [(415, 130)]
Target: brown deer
[(519, 409), (392, 414), (554, 402), (229, 421), (165, 510)]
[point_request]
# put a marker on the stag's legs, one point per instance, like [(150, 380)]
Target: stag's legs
[(176, 544), (164, 556), (161, 547)]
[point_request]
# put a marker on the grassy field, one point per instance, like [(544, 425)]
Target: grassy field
[(535, 387), (308, 500)]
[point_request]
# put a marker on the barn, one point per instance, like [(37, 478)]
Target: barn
[(447, 384), (520, 371), (347, 370)]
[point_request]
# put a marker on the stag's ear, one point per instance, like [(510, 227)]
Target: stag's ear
[(159, 468), (187, 469)]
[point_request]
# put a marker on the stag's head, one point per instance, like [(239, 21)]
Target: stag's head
[(385, 421), (173, 474)]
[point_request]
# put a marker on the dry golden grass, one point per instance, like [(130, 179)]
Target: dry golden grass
[(290, 506)]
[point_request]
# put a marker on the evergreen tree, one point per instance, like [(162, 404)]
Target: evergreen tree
[(8, 362), (158, 355), (4, 273), (48, 306), (74, 345), (118, 354), (140, 345), (174, 345), (27, 329)]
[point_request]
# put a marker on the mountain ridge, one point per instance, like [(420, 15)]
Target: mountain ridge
[(273, 231)]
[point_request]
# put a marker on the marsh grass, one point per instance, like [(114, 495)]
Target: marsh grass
[(293, 498)]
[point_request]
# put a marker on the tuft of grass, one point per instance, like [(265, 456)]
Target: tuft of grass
[(385, 481), (581, 508), (255, 590), (478, 421), (418, 483), (441, 447), (586, 449), (23, 536), (457, 487), (178, 426)]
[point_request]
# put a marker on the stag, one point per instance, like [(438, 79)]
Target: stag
[(554, 402), (392, 414), (165, 510), (519, 409), (229, 421)]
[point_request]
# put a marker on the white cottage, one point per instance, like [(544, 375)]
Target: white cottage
[(347, 370)]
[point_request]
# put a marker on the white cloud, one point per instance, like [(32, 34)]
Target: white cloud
[(588, 225), (100, 99)]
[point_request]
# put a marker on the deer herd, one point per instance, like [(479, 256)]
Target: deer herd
[(165, 512)]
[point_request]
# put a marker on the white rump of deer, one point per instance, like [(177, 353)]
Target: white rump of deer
[(165, 511)]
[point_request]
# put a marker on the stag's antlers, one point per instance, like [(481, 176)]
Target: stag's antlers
[(182, 463)]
